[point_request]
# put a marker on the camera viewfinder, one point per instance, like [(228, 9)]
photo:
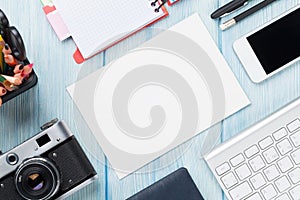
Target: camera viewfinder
[(43, 140)]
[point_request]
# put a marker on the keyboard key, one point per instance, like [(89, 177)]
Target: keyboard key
[(294, 125), (243, 172), (284, 147), (229, 180), (269, 192), (295, 192), (222, 169), (265, 142), (282, 184), (251, 151), (237, 160), (296, 156), (270, 155), (296, 139), (271, 172), (285, 164), (258, 181), (283, 197), (295, 175), (281, 133), (256, 196), (256, 163), (241, 191)]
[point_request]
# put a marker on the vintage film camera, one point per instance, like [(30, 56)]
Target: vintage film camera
[(50, 165)]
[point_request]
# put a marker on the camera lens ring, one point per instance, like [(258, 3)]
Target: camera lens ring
[(12, 159), (38, 168)]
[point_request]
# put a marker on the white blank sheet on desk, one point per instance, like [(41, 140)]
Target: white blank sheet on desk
[(96, 24), (158, 96)]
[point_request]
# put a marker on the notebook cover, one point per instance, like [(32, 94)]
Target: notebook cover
[(176, 186), (171, 2), (79, 59)]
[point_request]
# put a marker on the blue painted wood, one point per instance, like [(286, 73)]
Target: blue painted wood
[(21, 117)]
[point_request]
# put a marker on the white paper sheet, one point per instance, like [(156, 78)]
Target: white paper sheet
[(158, 96)]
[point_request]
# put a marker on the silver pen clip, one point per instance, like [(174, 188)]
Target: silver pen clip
[(225, 14)]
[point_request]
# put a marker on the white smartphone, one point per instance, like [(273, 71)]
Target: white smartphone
[(272, 47)]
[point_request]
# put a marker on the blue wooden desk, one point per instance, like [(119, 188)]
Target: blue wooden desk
[(22, 117)]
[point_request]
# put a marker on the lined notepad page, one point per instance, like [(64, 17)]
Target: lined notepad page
[(96, 24)]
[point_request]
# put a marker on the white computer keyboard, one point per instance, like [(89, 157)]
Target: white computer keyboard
[(262, 162)]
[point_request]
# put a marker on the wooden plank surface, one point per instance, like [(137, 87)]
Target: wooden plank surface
[(21, 117)]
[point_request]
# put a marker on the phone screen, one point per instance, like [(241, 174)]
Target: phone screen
[(279, 43)]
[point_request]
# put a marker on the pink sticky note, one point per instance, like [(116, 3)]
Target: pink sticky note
[(57, 23)]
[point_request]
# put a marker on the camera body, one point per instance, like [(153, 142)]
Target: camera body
[(50, 165)]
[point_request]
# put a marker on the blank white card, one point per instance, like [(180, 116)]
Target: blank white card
[(158, 96)]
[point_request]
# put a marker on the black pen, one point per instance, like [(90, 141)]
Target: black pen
[(228, 8), (245, 14)]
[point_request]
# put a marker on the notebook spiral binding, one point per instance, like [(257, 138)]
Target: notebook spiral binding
[(163, 2)]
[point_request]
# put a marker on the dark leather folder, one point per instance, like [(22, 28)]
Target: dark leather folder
[(176, 186)]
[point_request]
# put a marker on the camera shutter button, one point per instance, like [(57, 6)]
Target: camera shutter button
[(49, 124)]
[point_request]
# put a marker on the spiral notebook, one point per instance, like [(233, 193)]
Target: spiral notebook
[(97, 25)]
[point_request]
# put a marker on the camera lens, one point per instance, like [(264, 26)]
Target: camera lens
[(37, 178), (36, 181)]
